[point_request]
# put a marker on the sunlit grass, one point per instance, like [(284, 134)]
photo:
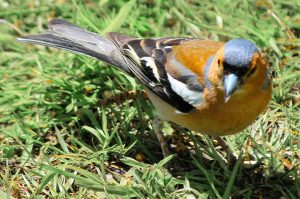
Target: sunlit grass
[(56, 139)]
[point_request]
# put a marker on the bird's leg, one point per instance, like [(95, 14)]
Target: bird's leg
[(230, 157), (157, 127)]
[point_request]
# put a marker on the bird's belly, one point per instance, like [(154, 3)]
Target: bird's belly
[(217, 119)]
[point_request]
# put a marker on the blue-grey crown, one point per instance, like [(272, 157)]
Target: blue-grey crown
[(239, 52)]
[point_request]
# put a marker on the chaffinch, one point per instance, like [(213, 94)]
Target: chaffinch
[(209, 87)]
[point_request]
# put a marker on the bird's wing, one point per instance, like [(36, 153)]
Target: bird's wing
[(151, 61)]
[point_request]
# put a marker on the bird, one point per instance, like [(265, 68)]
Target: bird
[(209, 87)]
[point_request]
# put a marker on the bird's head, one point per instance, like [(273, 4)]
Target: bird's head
[(241, 67)]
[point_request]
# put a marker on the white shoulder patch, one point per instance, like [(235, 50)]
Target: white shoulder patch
[(192, 97)]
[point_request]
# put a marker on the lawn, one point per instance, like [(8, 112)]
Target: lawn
[(62, 137)]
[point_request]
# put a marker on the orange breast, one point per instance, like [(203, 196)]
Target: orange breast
[(194, 54), (221, 118)]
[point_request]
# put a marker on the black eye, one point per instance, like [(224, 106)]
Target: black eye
[(252, 71), (219, 62), (239, 71)]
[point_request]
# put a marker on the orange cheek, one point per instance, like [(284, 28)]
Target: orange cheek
[(216, 70), (256, 80)]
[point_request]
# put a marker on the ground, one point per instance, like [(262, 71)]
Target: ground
[(59, 138)]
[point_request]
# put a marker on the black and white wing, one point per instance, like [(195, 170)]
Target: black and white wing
[(147, 60)]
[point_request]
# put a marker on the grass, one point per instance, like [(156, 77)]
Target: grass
[(56, 141)]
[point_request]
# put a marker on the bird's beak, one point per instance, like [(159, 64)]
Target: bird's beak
[(231, 82)]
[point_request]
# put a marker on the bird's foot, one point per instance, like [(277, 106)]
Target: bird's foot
[(231, 158), (157, 128)]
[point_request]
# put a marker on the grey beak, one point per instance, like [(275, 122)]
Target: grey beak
[(231, 82)]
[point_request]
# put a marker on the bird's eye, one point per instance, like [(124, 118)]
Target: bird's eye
[(240, 71), (219, 63), (252, 71)]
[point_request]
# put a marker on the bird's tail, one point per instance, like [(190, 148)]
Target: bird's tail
[(64, 35)]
